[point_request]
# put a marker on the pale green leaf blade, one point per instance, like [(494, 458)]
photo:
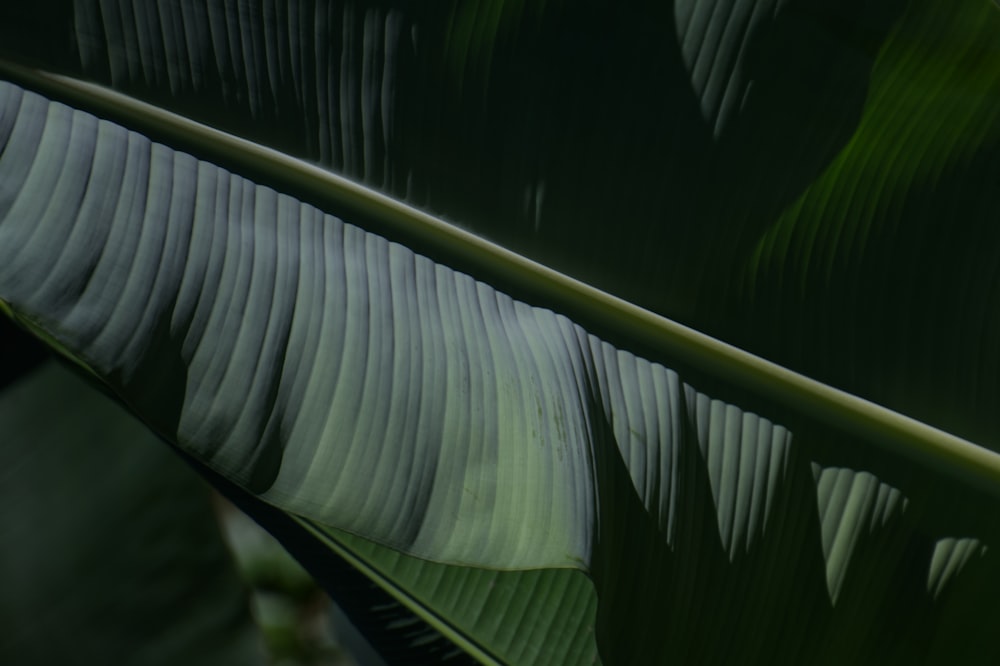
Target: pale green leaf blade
[(825, 165), (291, 351)]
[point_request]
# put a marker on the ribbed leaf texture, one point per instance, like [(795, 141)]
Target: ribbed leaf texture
[(730, 163), (363, 387)]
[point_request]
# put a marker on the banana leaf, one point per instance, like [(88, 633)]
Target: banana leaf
[(727, 163), (368, 369)]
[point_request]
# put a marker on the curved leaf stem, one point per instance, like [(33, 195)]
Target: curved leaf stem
[(460, 639), (907, 437)]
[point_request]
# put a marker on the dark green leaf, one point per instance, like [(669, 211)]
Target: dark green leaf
[(110, 553)]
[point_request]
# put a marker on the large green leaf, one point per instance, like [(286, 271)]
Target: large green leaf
[(711, 119), (110, 551), (825, 165), (363, 387)]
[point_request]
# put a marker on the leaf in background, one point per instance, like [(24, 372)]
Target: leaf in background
[(884, 271), (364, 387), (636, 146), (111, 554)]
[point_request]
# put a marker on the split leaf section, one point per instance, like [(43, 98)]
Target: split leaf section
[(370, 391)]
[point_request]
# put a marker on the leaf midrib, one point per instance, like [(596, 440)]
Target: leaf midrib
[(944, 452)]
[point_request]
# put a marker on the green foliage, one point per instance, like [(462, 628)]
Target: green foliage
[(106, 538), (476, 432)]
